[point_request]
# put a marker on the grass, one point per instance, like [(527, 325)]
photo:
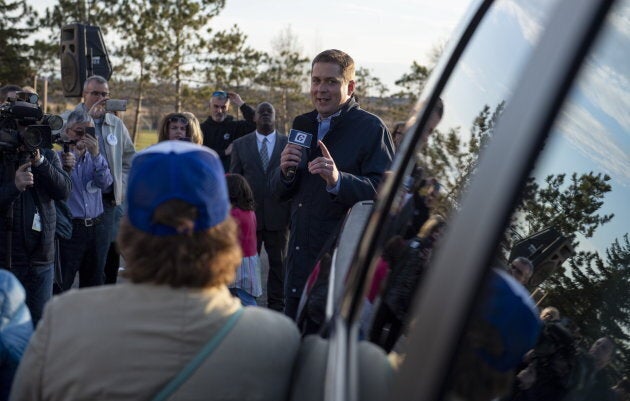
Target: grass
[(146, 138)]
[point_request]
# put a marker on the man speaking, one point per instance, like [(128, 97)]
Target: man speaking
[(350, 150)]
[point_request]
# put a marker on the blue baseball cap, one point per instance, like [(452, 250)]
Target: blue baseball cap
[(176, 170), (508, 308)]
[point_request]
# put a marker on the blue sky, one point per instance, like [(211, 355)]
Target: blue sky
[(385, 37), (593, 131)]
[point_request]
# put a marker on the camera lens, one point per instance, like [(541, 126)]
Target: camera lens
[(32, 137)]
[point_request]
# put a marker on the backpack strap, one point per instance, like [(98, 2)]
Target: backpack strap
[(194, 364)]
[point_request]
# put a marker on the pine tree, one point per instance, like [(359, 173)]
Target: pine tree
[(284, 75), (231, 63), (595, 295), (16, 22)]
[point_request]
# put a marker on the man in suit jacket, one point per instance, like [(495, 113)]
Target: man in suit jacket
[(254, 156)]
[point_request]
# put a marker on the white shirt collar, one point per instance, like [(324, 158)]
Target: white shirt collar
[(271, 138)]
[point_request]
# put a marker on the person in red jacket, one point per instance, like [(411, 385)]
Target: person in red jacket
[(248, 285)]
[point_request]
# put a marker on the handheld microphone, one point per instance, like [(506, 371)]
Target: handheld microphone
[(302, 139)]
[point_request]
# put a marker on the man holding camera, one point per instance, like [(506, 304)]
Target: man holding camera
[(89, 174), (115, 145), (30, 182), (221, 129)]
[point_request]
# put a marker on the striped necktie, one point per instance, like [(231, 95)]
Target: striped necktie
[(264, 155)]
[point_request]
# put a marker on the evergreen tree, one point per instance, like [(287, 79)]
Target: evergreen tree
[(16, 23), (62, 13), (284, 75), (571, 209), (594, 294), (368, 85), (184, 27), (136, 21), (413, 82), (231, 63)]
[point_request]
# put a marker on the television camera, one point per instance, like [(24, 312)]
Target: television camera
[(24, 127)]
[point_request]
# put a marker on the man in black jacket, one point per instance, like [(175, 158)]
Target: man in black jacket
[(351, 150), (221, 129), (255, 156), (28, 189)]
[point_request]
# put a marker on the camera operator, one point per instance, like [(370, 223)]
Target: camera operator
[(28, 187), (8, 91)]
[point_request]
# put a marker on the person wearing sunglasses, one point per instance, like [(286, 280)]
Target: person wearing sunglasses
[(90, 174), (220, 129), (115, 145), (180, 126)]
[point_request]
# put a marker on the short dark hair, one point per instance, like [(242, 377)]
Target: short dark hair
[(4, 91), (240, 192), (192, 259), (342, 59)]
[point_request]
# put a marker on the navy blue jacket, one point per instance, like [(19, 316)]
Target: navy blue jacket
[(362, 149)]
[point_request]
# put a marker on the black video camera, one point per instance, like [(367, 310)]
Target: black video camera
[(24, 126)]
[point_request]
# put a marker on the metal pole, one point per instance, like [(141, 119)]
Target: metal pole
[(45, 94)]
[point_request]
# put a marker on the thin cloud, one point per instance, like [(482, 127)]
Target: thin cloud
[(594, 141), (528, 22), (620, 19), (609, 90)]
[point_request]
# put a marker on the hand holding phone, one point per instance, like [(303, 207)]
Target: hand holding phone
[(91, 143), (116, 105)]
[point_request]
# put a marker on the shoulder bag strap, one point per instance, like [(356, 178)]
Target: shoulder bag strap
[(194, 364)]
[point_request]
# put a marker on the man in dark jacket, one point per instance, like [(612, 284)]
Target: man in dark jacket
[(351, 150), (28, 190), (255, 156), (221, 129)]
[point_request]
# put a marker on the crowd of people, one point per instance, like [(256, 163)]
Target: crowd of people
[(190, 216)]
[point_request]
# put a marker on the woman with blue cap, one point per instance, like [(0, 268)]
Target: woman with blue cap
[(173, 330)]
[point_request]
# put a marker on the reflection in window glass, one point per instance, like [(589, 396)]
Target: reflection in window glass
[(572, 223), (473, 99), (567, 243)]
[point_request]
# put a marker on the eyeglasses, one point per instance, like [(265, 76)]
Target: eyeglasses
[(220, 94), (178, 119), (97, 93)]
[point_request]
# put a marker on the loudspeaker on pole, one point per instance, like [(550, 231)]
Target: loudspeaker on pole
[(83, 53)]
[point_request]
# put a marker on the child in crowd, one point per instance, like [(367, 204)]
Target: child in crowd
[(248, 285)]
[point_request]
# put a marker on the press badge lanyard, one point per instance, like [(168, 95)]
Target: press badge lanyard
[(37, 221)]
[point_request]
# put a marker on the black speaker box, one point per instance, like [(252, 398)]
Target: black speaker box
[(83, 53)]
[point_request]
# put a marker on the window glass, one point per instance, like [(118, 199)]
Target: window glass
[(474, 96), (570, 228), (572, 223)]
